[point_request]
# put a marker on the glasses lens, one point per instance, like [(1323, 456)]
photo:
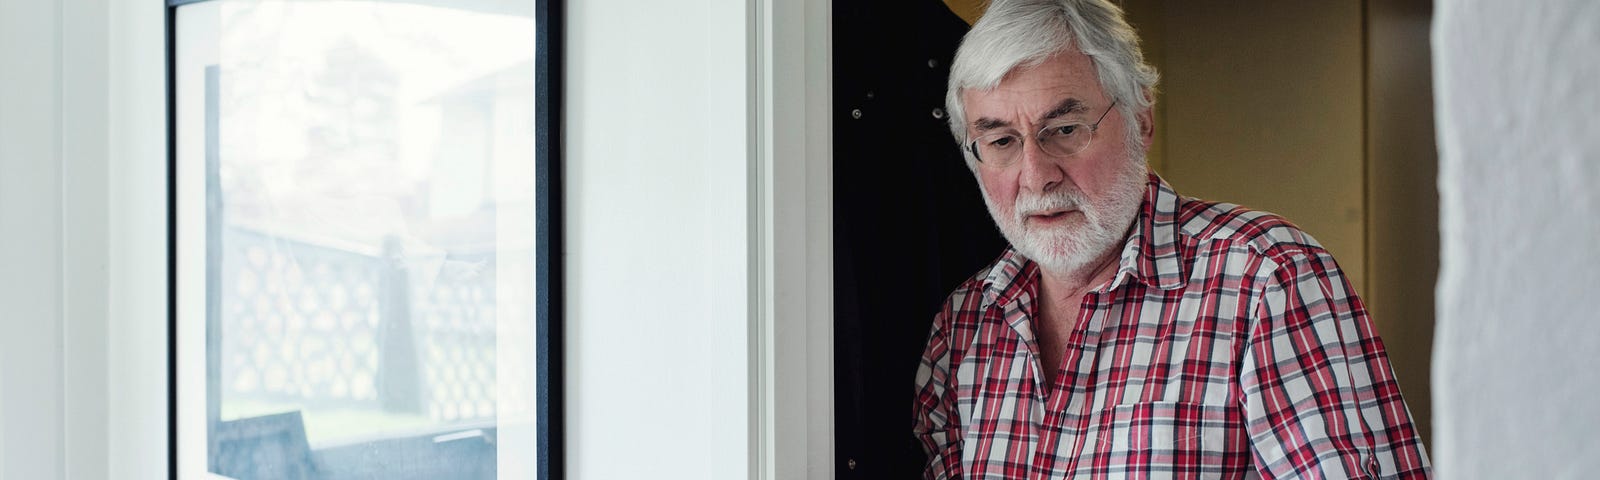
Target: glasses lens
[(997, 149), (1002, 149), (1065, 140)]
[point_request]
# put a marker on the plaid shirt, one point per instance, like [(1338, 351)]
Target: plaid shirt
[(1227, 345)]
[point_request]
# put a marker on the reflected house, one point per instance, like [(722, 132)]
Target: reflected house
[(480, 205), (374, 321)]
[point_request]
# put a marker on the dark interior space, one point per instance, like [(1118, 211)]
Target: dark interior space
[(909, 222)]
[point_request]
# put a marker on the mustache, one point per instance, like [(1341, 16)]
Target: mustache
[(1056, 200)]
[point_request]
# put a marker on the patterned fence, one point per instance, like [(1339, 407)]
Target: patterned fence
[(330, 327)]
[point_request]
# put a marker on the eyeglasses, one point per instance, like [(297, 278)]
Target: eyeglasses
[(1063, 139)]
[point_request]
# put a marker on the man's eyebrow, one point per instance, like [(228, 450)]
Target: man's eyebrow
[(986, 124), (1066, 107)]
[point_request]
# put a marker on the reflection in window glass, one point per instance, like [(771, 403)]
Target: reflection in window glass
[(356, 243)]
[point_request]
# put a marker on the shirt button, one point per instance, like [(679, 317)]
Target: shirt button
[(933, 63), (851, 464), (856, 114), (938, 113)]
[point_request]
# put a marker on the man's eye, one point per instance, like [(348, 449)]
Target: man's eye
[(1002, 142), (1065, 130)]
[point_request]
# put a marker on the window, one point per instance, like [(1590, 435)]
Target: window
[(362, 238)]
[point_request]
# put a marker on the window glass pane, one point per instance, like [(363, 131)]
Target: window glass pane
[(357, 233)]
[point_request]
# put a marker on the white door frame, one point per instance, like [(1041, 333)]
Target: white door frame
[(792, 335)]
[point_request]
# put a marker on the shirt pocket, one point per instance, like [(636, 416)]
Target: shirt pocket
[(1168, 440)]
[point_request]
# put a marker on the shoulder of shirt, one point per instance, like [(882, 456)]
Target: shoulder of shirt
[(977, 283), (1261, 233), (974, 291)]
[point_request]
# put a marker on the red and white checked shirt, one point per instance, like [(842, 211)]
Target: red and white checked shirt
[(1227, 345)]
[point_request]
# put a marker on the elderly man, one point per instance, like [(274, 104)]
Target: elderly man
[(1129, 332)]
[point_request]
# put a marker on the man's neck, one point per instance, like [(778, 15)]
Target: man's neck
[(1057, 313), (1066, 289)]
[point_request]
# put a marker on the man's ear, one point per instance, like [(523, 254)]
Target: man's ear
[(1147, 120)]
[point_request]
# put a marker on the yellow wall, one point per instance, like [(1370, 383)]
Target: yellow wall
[(1265, 110), (1149, 19), (1402, 199), (968, 10)]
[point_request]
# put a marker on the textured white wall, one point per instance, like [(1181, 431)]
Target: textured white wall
[(1515, 383)]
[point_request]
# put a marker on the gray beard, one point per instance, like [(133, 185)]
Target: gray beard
[(1064, 251)]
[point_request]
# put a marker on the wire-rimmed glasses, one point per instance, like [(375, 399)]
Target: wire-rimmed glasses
[(1062, 139)]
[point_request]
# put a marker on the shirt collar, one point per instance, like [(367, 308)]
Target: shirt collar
[(1149, 255)]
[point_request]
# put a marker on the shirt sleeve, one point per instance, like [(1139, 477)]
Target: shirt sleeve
[(937, 425), (1320, 397)]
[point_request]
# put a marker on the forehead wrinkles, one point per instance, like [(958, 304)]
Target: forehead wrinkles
[(1027, 95)]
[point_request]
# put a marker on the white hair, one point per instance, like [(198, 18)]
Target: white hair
[(1024, 33)]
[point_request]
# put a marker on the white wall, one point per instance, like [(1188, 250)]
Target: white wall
[(136, 377), (699, 237), (30, 241), (1514, 381), (658, 255), (53, 239)]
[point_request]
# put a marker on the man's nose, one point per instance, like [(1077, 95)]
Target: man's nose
[(1040, 171)]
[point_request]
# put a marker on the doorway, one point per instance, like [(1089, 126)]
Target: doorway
[(1319, 111)]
